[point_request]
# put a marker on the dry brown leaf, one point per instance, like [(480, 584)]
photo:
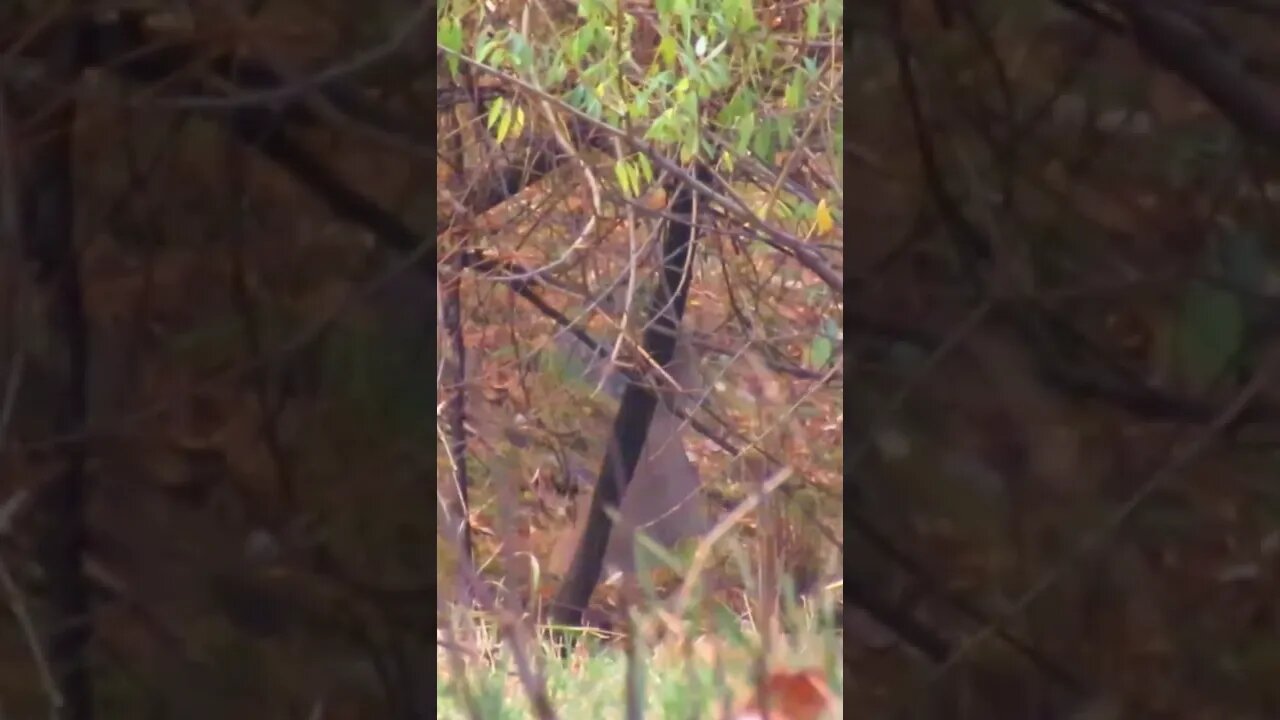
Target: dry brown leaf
[(800, 695)]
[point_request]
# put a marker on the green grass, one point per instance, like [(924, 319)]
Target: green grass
[(687, 668)]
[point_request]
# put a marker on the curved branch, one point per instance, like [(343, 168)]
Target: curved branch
[(1184, 48), (703, 181)]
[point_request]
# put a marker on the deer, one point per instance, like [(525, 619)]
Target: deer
[(664, 500)]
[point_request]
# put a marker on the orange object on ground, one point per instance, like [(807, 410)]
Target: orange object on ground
[(801, 695)]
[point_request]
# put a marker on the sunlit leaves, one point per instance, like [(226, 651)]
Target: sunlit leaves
[(633, 175), (726, 158), (597, 8), (665, 129), (812, 17), (638, 108), (628, 177), (794, 96), (581, 43), (743, 14), (489, 48), (762, 142), (507, 117), (449, 36), (495, 111), (521, 52), (667, 51), (683, 11), (824, 223), (585, 100), (556, 74), (646, 169), (833, 12), (705, 55), (689, 148)]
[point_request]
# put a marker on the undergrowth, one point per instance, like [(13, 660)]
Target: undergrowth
[(703, 665)]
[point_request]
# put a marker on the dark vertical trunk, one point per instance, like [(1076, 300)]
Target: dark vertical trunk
[(457, 408), (48, 211)]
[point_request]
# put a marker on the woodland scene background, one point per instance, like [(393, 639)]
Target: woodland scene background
[(1061, 300)]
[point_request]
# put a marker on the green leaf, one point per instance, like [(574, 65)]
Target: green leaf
[(1209, 333), (689, 148), (747, 16), (835, 13), (682, 10), (577, 97), (795, 90), (717, 72), (558, 72), (820, 351), (580, 44), (746, 129), (521, 51), (495, 111), (733, 110), (786, 130), (812, 14), (762, 143), (640, 103), (664, 129), (449, 36), (485, 46)]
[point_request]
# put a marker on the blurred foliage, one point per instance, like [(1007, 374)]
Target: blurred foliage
[(260, 401), (1014, 415)]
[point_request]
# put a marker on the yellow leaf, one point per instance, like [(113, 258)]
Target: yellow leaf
[(504, 124), (825, 223), (667, 49), (518, 125), (495, 111)]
